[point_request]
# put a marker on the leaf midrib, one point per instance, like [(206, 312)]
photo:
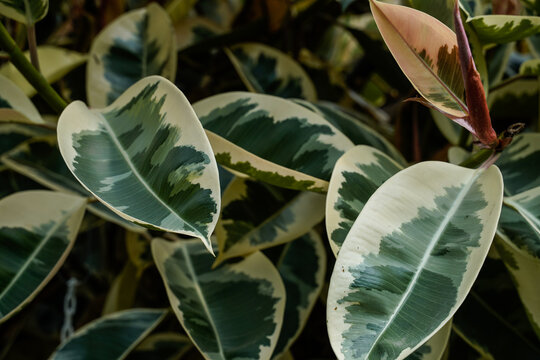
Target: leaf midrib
[(427, 254)]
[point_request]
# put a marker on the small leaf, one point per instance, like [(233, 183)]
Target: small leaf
[(116, 334), (234, 311), (302, 267), (138, 44), (266, 70), (25, 11), (37, 230), (245, 226), (54, 63), (358, 173), (146, 157), (427, 52), (15, 105), (411, 257), (502, 29), (272, 139)]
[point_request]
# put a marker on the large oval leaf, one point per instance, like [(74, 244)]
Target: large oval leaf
[(266, 70), (54, 63), (40, 160), (504, 28), (234, 311), (14, 105), (146, 157), (139, 43), (37, 230), (116, 334), (25, 11), (245, 226), (272, 139), (427, 52), (410, 258), (358, 173), (302, 266)]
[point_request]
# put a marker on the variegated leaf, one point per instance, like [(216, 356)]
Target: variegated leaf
[(514, 98), (519, 164), (15, 105), (139, 43), (434, 348), (266, 70), (498, 64), (13, 134), (353, 128), (358, 173), (427, 52), (272, 139), (245, 226), (40, 160), (339, 49), (24, 11), (54, 63), (221, 12), (501, 29), (234, 311), (195, 29), (116, 334), (527, 204), (162, 346), (411, 257), (37, 230), (302, 267), (530, 67), (146, 157), (489, 333)]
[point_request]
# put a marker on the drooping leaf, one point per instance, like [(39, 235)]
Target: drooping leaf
[(272, 139), (434, 348), (142, 159), (489, 333), (245, 226), (139, 43), (37, 230), (54, 63), (14, 105), (519, 164), (266, 70), (411, 257), (530, 67), (358, 173), (234, 311), (24, 11), (355, 130), (40, 160), (302, 267), (110, 337), (162, 346), (427, 52), (502, 29)]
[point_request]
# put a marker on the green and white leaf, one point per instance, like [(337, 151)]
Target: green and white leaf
[(54, 63), (427, 52), (339, 49), (411, 257), (193, 30), (40, 160), (37, 230), (519, 164), (434, 348), (266, 70), (353, 128), (15, 105), (110, 337), (144, 161), (272, 139), (245, 226), (162, 346), (221, 12), (502, 29), (25, 11), (358, 173), (489, 333), (302, 267), (138, 44), (234, 311), (514, 98), (530, 67)]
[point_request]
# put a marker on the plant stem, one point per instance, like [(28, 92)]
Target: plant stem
[(32, 45), (477, 158), (33, 76)]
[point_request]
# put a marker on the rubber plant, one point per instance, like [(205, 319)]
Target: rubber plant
[(255, 207)]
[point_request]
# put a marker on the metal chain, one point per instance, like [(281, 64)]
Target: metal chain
[(70, 306)]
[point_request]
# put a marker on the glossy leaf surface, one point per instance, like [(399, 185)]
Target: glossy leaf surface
[(434, 348), (24, 11), (504, 28)]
